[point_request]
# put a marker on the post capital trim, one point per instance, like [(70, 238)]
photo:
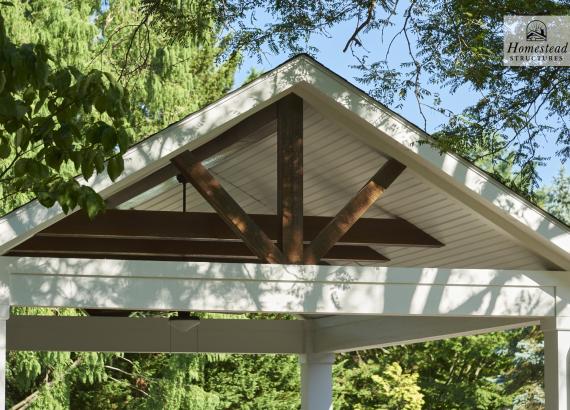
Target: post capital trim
[(317, 358), (551, 324)]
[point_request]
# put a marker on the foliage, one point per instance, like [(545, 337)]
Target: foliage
[(252, 382), (57, 121), (558, 197), (178, 79), (450, 44), (166, 80), (375, 385), (66, 105)]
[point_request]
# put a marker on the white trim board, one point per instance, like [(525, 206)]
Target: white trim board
[(146, 335), (228, 287), (342, 334)]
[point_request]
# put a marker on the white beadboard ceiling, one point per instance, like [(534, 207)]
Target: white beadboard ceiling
[(336, 165)]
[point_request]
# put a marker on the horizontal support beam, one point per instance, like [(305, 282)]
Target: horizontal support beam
[(227, 287), (199, 225), (153, 335), (341, 334), (163, 249), (160, 335), (254, 128)]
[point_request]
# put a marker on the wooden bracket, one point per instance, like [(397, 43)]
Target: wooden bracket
[(352, 211), (228, 209)]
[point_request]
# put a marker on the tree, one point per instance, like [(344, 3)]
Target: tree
[(451, 44), (557, 200), (55, 122), (166, 80), (167, 55), (375, 384), (68, 110), (67, 39)]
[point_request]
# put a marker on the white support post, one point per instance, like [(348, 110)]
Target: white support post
[(556, 359), (316, 373), (4, 314), (316, 381)]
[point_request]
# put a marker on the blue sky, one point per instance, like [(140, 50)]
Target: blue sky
[(330, 54)]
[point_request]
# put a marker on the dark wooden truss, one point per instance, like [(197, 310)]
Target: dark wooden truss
[(230, 234)]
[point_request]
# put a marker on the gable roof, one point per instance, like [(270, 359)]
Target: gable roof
[(348, 108)]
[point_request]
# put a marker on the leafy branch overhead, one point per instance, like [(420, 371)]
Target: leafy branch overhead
[(57, 123), (60, 118), (446, 45)]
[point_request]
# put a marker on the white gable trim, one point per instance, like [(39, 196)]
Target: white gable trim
[(155, 152), (367, 119), (387, 132)]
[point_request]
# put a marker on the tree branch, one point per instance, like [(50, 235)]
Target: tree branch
[(354, 37)]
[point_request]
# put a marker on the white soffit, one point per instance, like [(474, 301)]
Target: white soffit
[(477, 218)]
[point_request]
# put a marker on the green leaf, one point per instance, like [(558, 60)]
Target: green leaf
[(100, 103), (54, 158), (36, 169), (5, 148), (62, 81), (39, 104), (109, 139), (46, 199), (7, 103), (99, 162), (115, 167), (88, 165), (92, 203), (76, 157), (20, 110), (52, 106), (29, 95), (23, 136), (62, 138), (124, 140), (20, 167)]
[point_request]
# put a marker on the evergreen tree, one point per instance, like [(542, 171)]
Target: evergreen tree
[(56, 121), (558, 197), (175, 80)]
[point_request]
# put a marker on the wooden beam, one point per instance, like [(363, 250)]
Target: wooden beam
[(115, 223), (228, 209), (163, 249), (153, 335), (254, 128), (135, 257), (290, 176), (352, 211)]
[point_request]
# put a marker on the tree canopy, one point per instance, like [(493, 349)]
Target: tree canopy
[(451, 45), (72, 105)]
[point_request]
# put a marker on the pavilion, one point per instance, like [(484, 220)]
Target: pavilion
[(296, 193)]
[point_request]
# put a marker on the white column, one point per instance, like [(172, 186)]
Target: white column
[(316, 381), (556, 355), (4, 314)]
